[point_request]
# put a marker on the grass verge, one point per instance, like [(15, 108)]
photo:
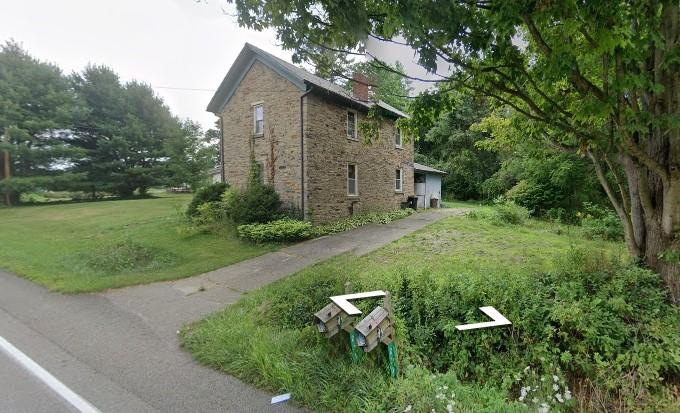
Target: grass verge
[(93, 246)]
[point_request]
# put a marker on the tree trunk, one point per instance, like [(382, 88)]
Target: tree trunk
[(662, 250)]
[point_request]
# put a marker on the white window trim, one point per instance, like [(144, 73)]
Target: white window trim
[(356, 180), (356, 125), (399, 145), (401, 181), (253, 106)]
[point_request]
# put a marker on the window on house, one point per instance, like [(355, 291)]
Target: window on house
[(397, 137), (352, 181), (399, 180), (351, 125), (258, 119)]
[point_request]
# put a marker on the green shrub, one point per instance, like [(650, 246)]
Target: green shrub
[(256, 203), (503, 212), (282, 230), (209, 193), (600, 223), (207, 214), (509, 212)]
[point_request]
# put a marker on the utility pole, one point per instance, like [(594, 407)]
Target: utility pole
[(7, 173)]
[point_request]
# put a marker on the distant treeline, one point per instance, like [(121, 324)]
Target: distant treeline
[(90, 132)]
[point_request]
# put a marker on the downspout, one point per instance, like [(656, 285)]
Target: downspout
[(222, 150), (302, 151)]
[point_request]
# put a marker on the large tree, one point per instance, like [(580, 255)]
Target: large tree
[(601, 78), (125, 133), (37, 106)]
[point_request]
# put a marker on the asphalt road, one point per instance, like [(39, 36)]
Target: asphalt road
[(109, 356), (20, 392)]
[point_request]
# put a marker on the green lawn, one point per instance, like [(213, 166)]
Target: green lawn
[(439, 276), (92, 246)]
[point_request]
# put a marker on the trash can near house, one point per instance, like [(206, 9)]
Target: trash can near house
[(413, 202), (434, 201)]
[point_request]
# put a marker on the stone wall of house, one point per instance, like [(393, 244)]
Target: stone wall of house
[(278, 151), (328, 151)]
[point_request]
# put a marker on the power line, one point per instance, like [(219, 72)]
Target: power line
[(184, 88)]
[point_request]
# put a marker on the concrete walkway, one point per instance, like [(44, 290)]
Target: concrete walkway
[(119, 349)]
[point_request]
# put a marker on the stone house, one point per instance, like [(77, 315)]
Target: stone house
[(303, 132)]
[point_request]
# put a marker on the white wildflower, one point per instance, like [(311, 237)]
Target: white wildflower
[(544, 408), (559, 398), (526, 369), (523, 393), (449, 408), (445, 387), (542, 378), (453, 395), (408, 408), (534, 400), (555, 378), (556, 386), (567, 394)]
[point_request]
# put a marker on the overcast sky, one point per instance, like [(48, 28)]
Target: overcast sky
[(166, 43)]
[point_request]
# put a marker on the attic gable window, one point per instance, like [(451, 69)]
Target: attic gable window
[(258, 119), (351, 125)]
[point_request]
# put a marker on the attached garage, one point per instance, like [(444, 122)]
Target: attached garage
[(428, 185)]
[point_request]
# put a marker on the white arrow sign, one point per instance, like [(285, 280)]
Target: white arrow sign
[(342, 301), (498, 320)]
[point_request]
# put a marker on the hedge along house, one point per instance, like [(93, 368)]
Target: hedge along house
[(303, 131)]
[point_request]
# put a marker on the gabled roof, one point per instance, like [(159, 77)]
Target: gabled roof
[(296, 75), (424, 168)]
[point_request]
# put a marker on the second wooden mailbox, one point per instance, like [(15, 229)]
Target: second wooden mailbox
[(375, 328)]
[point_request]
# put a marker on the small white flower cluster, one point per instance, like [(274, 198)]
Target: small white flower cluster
[(442, 397), (556, 390)]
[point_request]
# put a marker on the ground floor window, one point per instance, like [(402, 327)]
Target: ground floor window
[(352, 181), (399, 180)]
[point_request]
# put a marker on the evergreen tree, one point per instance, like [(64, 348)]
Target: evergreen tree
[(125, 133), (37, 106)]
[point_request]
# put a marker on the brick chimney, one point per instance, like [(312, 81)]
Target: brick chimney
[(360, 86)]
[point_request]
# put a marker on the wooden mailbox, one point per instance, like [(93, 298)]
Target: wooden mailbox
[(374, 329), (331, 319)]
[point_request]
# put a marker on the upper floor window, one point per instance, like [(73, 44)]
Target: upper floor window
[(351, 125), (399, 180), (258, 119), (397, 137), (352, 180)]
